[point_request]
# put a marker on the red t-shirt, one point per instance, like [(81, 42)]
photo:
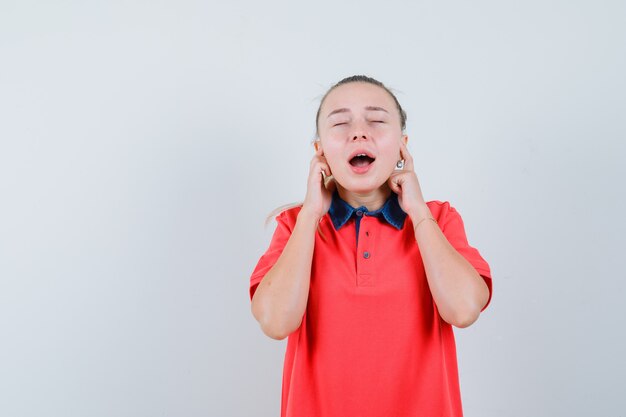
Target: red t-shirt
[(371, 341)]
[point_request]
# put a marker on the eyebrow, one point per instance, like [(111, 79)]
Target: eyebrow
[(344, 110)]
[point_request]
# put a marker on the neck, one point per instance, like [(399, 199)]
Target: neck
[(373, 200)]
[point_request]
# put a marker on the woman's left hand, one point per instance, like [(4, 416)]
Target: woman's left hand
[(404, 183)]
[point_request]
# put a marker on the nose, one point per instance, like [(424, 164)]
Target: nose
[(360, 131)]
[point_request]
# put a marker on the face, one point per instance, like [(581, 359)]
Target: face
[(360, 118)]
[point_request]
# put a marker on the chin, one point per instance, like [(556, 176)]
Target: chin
[(361, 186)]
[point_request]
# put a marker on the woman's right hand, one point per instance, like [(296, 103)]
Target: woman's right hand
[(318, 194)]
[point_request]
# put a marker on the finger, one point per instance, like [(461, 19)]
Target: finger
[(394, 181), (317, 153), (325, 169), (406, 155), (316, 168), (318, 157), (408, 158)]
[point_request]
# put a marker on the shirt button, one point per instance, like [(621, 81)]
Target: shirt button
[(366, 254), (359, 213)]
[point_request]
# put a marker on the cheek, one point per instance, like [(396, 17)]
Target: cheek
[(332, 153), (334, 162), (392, 153)]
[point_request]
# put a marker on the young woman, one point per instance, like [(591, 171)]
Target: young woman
[(369, 302)]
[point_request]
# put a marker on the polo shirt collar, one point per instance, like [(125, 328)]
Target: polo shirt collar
[(340, 211)]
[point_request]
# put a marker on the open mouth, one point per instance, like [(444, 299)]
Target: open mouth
[(361, 160)]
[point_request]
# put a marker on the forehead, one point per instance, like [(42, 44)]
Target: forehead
[(356, 96)]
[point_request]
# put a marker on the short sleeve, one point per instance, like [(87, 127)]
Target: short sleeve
[(280, 238), (453, 229)]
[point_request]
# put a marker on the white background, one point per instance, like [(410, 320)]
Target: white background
[(142, 144)]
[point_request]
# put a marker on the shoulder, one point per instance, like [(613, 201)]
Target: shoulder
[(289, 216), (446, 214), (440, 209)]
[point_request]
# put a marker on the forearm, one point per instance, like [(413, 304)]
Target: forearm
[(457, 289), (280, 299)]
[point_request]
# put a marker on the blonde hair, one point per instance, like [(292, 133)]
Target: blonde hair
[(278, 210)]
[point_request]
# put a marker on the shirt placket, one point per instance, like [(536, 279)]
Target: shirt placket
[(366, 251)]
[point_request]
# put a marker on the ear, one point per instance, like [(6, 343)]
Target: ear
[(317, 144), (405, 139)]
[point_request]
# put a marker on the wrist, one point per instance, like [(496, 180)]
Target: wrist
[(427, 219), (308, 217), (419, 213)]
